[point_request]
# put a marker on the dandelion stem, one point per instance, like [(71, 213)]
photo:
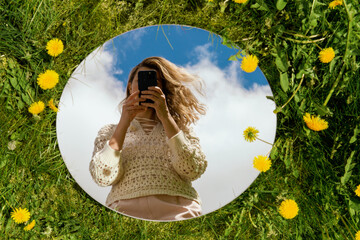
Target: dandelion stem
[(252, 220), (349, 29), (297, 89), (246, 39), (346, 225), (263, 141), (269, 151), (271, 204), (335, 84), (29, 95), (304, 36), (345, 55), (257, 208), (305, 41), (339, 216)]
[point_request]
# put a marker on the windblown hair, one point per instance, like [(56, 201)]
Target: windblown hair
[(183, 106)]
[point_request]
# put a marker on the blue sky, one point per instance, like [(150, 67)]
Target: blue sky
[(175, 43)]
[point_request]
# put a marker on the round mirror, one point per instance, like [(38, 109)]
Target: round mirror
[(234, 99)]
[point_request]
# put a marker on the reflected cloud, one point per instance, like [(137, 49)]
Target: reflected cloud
[(136, 37), (230, 112), (234, 99)]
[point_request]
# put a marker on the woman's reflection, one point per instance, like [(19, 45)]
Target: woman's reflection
[(152, 155)]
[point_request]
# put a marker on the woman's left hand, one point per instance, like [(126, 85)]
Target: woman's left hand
[(156, 94)]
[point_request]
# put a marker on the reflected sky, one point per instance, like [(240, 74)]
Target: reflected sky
[(179, 44), (235, 101)]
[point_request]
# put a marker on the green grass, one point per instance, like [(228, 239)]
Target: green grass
[(319, 170)]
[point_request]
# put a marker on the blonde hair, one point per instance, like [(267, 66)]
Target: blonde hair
[(183, 106)]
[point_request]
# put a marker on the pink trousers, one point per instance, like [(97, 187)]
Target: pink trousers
[(158, 207)]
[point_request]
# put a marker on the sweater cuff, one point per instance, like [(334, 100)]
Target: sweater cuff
[(109, 155), (177, 141)]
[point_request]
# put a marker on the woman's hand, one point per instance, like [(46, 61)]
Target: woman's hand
[(131, 107), (156, 94)]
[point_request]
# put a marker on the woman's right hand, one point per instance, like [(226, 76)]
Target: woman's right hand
[(131, 107)]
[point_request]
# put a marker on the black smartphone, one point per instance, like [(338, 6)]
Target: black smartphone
[(146, 79)]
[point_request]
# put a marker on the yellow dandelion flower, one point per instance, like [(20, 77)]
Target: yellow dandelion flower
[(20, 215), (250, 134), (288, 209), (249, 63), (357, 191), (335, 3), (315, 123), (357, 236), (30, 226), (326, 55), (48, 79), (262, 163), (52, 106), (240, 1), (36, 107), (55, 47)]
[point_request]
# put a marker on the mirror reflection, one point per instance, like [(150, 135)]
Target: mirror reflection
[(175, 151)]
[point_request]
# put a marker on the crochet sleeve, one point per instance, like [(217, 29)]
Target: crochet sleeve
[(188, 159), (105, 165)]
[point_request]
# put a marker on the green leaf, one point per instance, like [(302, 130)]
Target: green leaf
[(14, 136), (223, 6), (26, 98), (274, 153), (139, 5), (296, 98), (226, 42), (296, 173), (255, 5), (9, 228), (354, 203), (32, 92), (11, 63), (332, 65), (260, 5), (287, 162), (321, 110), (232, 58), (313, 23), (287, 154), (271, 98), (280, 4), (299, 74), (348, 169), (353, 138), (307, 131), (3, 162), (302, 105), (284, 81), (281, 64), (20, 104), (22, 81), (14, 83)]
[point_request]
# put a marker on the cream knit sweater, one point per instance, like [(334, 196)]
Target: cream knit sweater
[(147, 164)]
